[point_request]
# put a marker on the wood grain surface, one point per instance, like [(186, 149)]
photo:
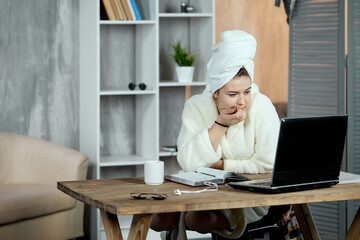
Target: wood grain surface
[(113, 195)]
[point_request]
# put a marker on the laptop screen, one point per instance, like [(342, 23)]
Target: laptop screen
[(309, 149)]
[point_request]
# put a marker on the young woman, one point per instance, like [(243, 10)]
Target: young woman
[(230, 126)]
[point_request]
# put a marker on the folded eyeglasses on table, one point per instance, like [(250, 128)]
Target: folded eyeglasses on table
[(149, 196)]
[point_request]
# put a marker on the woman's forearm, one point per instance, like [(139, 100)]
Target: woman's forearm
[(216, 132)]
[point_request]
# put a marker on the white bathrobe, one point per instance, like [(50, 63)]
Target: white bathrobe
[(247, 147)]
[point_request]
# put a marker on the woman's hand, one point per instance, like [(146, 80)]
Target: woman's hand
[(218, 165), (227, 116), (231, 116)]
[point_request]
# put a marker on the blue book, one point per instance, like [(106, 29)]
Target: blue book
[(136, 10)]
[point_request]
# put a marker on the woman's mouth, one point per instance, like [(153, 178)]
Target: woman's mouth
[(236, 109)]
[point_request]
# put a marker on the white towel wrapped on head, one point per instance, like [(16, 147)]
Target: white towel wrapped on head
[(237, 49)]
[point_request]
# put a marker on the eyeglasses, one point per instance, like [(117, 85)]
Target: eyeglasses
[(150, 196), (132, 86)]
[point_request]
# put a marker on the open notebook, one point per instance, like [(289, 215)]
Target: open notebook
[(204, 174)]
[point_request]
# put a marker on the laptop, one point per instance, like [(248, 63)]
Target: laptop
[(308, 156)]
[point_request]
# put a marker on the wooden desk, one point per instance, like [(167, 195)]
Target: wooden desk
[(112, 197)]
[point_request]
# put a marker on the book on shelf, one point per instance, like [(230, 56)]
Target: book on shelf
[(109, 9), (172, 148), (205, 174), (126, 9), (133, 17), (103, 13), (115, 9), (119, 10), (136, 9)]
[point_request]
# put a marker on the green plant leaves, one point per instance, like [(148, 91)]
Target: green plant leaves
[(182, 56)]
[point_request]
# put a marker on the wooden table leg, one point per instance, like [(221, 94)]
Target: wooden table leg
[(140, 226), (306, 222), (354, 231), (111, 226)]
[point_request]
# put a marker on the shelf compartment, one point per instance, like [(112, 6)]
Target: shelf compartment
[(132, 59), (174, 6), (128, 125), (127, 22), (126, 92), (170, 120), (122, 160), (184, 15), (194, 34), (180, 84)]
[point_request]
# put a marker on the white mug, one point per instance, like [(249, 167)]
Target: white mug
[(154, 172)]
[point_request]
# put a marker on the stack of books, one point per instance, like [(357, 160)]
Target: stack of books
[(169, 148), (121, 9)]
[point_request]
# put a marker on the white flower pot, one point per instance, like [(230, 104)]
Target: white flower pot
[(185, 74)]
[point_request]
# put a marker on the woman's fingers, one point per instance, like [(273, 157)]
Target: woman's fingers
[(231, 116)]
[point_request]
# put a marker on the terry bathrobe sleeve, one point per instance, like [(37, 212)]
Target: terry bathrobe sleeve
[(194, 145), (265, 124)]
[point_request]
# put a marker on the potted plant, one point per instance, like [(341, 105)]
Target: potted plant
[(185, 60)]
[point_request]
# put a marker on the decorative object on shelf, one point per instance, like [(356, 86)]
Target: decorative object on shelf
[(185, 73), (185, 60), (184, 8), (190, 9), (132, 86)]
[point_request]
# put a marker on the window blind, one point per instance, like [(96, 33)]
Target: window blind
[(353, 96), (317, 84)]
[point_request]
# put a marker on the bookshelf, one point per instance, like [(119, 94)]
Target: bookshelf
[(120, 128)]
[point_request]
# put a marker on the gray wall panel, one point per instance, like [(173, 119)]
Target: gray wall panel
[(39, 70)]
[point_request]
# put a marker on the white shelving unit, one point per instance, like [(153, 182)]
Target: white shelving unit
[(120, 128), (197, 32), (185, 15), (125, 92), (178, 84)]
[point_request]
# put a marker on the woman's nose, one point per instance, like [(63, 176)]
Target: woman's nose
[(241, 100)]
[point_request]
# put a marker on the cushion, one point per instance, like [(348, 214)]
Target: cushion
[(23, 201)]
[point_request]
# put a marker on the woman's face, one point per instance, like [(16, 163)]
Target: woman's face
[(236, 94)]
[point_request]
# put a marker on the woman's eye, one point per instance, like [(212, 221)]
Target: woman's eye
[(232, 94), (247, 92)]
